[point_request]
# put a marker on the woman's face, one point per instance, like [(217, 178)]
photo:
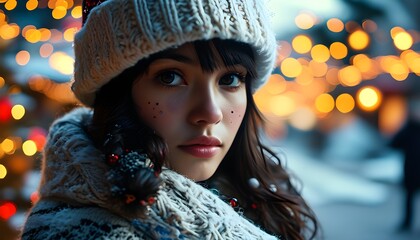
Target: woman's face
[(197, 113)]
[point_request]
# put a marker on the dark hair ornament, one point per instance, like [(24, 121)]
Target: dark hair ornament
[(133, 175)]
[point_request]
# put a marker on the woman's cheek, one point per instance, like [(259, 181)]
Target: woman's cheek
[(153, 113), (235, 115)]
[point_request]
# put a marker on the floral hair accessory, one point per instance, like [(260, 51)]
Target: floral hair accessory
[(131, 169)]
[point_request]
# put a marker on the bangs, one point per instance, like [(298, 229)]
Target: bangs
[(218, 53)]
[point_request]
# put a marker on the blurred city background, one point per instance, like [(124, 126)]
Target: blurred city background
[(347, 73)]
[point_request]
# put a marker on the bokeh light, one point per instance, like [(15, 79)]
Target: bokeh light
[(359, 40), (3, 171), (335, 25), (8, 146), (349, 76), (324, 103), (291, 67), (369, 98), (403, 40), (23, 57), (345, 103), (18, 111), (7, 209), (29, 148), (338, 50), (302, 44), (320, 53), (305, 20), (282, 105)]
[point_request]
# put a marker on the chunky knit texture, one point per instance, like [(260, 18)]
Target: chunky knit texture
[(119, 33), (76, 202)]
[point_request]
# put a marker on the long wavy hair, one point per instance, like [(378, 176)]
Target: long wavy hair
[(275, 204)]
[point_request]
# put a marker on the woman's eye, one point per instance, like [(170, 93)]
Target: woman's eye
[(170, 78), (232, 80)]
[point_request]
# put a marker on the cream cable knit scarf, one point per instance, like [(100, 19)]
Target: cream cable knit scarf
[(74, 173)]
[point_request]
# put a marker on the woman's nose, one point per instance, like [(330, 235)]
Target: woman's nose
[(206, 108)]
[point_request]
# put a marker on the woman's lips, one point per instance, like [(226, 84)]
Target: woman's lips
[(201, 151), (202, 146)]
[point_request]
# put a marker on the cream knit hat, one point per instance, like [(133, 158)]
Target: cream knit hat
[(119, 33)]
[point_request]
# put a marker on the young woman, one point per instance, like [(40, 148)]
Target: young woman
[(171, 148)]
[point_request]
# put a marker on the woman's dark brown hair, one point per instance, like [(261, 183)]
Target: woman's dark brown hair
[(275, 205)]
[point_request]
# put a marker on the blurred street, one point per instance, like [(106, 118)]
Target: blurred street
[(357, 200)]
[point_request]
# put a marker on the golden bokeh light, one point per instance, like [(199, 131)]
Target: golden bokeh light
[(33, 35), (320, 53), (369, 98), (59, 12), (8, 146), (345, 103), (403, 40), (22, 57), (2, 17), (2, 82), (68, 34), (399, 71), (61, 3), (335, 25), (362, 62), (9, 31), (338, 50), (261, 98), (349, 76), (359, 40), (276, 84), (26, 28), (18, 111), (395, 30), (10, 5), (76, 12), (302, 44), (31, 5), (305, 20), (290, 67), (415, 65), (3, 171), (45, 34), (29, 148), (62, 62), (282, 105), (386, 62), (324, 103), (392, 114)]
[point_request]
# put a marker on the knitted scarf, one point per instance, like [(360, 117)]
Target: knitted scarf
[(76, 201)]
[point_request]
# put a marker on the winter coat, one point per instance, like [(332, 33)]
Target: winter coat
[(76, 202)]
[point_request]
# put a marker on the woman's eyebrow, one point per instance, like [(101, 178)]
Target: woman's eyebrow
[(176, 57)]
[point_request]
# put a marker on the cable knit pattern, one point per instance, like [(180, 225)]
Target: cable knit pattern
[(76, 202), (118, 33)]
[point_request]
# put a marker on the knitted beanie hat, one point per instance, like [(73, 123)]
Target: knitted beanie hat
[(119, 33)]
